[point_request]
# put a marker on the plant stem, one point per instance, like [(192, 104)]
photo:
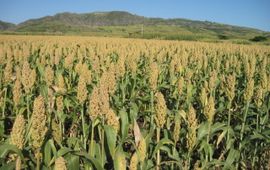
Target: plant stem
[(123, 91), (152, 107), (243, 126), (256, 142), (133, 87), (83, 126), (28, 110), (209, 131), (229, 120), (242, 131), (38, 161), (177, 104), (102, 143), (158, 152), (188, 163), (4, 104), (92, 140)]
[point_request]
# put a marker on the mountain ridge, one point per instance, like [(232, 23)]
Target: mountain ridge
[(122, 23)]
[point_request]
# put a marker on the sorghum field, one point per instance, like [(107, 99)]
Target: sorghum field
[(111, 103)]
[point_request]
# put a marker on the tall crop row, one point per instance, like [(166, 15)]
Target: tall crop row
[(108, 103)]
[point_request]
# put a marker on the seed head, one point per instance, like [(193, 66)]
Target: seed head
[(249, 90), (180, 85), (49, 75), (82, 90), (38, 128), (203, 97), (133, 162), (68, 61), (111, 79), (59, 104), (17, 92), (61, 84), (86, 73), (229, 86), (28, 77), (122, 162), (112, 120), (259, 96), (153, 79), (94, 107), (161, 110), (17, 133), (8, 71), (263, 81), (177, 127), (104, 100), (142, 151), (56, 132), (60, 164), (121, 68), (212, 80), (209, 110), (192, 126)]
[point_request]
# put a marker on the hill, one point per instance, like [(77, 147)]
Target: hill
[(124, 24), (6, 25)]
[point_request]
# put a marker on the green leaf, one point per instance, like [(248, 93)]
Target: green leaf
[(161, 143), (124, 123), (203, 130), (63, 151), (5, 149), (111, 136), (173, 154), (134, 109), (233, 156), (220, 137), (9, 166), (2, 127), (90, 159), (73, 161), (40, 69), (118, 157), (217, 127), (257, 136), (48, 150), (47, 154)]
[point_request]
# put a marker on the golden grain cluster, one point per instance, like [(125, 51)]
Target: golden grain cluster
[(113, 103)]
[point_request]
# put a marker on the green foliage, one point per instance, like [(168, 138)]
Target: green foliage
[(258, 39), (124, 24)]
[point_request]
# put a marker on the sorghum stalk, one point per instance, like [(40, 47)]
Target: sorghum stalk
[(158, 152), (92, 139), (152, 108), (102, 142), (4, 103), (83, 126), (229, 118), (243, 125)]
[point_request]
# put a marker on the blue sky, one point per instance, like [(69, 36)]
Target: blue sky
[(250, 13)]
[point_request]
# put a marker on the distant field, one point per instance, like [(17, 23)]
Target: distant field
[(159, 32), (78, 102)]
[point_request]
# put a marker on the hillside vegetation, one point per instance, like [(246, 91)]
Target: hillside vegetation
[(124, 24)]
